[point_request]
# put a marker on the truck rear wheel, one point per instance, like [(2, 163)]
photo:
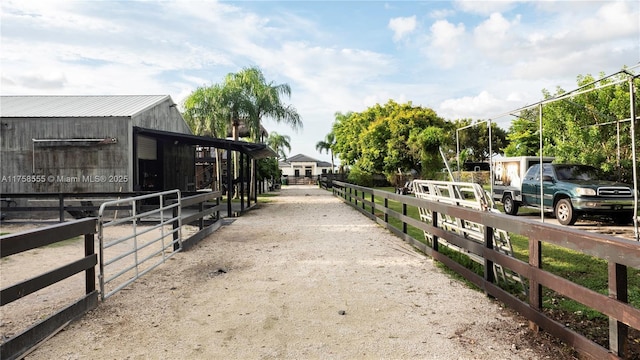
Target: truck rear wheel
[(510, 206), (564, 212)]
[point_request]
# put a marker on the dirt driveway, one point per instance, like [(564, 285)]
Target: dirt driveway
[(301, 277)]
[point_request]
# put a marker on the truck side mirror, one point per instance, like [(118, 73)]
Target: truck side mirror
[(547, 178)]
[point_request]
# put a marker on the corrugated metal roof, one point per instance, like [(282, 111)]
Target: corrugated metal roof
[(77, 106)]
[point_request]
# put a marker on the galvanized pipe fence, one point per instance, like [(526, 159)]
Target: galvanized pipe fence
[(135, 235), (137, 248)]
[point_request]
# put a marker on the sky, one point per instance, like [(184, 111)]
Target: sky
[(463, 59)]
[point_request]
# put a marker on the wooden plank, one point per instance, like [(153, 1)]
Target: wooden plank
[(20, 344), (592, 299), (24, 288), (15, 243), (579, 342)]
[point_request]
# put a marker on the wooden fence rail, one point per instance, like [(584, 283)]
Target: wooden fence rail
[(16, 243), (620, 254)]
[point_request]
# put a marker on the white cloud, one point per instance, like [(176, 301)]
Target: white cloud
[(316, 68), (42, 82), (484, 7), (53, 14), (482, 105), (611, 20), (446, 42), (402, 26), (441, 13), (565, 42), (474, 70), (494, 34)]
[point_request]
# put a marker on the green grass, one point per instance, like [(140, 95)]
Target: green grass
[(575, 266)]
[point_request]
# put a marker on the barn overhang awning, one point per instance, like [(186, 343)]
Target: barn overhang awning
[(253, 150)]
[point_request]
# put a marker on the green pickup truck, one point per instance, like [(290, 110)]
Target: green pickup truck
[(572, 190)]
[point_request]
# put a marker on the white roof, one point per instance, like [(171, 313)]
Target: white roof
[(77, 106)]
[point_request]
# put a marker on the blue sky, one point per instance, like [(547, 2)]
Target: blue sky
[(464, 59)]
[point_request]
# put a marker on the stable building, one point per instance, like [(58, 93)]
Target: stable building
[(106, 144), (75, 144)]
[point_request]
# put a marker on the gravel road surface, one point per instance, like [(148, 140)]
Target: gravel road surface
[(303, 276)]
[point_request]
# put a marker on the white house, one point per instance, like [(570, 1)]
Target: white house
[(302, 166)]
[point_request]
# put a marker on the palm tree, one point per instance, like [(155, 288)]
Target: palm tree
[(244, 96), (234, 97), (259, 99), (207, 114), (278, 143), (327, 144)]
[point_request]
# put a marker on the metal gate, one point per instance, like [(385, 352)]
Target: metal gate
[(134, 244)]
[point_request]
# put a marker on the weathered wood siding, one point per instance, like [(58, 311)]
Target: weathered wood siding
[(163, 116), (54, 166), (64, 166)]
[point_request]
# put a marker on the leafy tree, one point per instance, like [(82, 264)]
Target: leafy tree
[(585, 128), (475, 139), (360, 177), (523, 135), (373, 142), (268, 169), (405, 121), (588, 126), (347, 129), (380, 140), (425, 145)]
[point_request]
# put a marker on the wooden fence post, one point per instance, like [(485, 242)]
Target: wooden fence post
[(618, 289)]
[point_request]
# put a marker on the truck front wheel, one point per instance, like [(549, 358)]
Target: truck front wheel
[(564, 212), (510, 206)]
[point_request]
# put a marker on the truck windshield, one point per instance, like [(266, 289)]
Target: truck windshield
[(577, 172)]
